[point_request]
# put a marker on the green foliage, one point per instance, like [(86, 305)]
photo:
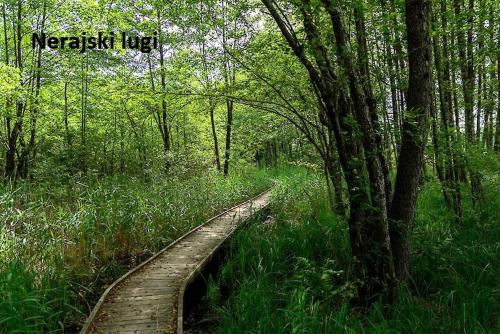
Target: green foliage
[(293, 276), (30, 303), (9, 81), (62, 241)]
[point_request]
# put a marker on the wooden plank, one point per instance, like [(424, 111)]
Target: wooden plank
[(141, 327), (135, 310), (137, 298)]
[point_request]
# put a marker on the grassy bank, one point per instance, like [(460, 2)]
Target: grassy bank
[(294, 276), (62, 242)]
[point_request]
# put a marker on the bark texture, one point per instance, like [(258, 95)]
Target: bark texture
[(414, 134)]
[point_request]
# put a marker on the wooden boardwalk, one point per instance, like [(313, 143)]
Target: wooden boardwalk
[(149, 298)]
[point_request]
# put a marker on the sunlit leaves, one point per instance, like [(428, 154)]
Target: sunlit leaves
[(10, 82)]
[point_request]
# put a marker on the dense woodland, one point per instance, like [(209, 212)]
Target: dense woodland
[(375, 122)]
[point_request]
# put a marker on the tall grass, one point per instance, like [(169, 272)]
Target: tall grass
[(62, 242), (294, 276)]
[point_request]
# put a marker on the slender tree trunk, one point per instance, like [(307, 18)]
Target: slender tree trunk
[(466, 53), (438, 156), (392, 81), (28, 152), (229, 78), (15, 133), (11, 140), (481, 88), (488, 124), (369, 98), (490, 99), (334, 173), (497, 131), (122, 148), (451, 188), (211, 105), (214, 134), (83, 111), (66, 115), (229, 124), (164, 116), (414, 135)]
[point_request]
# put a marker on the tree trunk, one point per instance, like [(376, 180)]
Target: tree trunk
[(214, 134), (66, 115), (490, 99), (334, 175), (229, 79), (28, 152), (164, 119), (449, 178), (497, 131), (414, 135), (492, 46), (368, 228), (466, 53), (229, 124), (15, 132), (370, 101)]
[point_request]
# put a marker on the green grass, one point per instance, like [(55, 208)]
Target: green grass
[(62, 241), (294, 276)]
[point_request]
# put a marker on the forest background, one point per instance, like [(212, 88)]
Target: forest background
[(108, 155)]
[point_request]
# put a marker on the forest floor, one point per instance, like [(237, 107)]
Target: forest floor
[(293, 276)]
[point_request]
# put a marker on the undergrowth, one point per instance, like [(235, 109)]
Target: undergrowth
[(294, 276), (63, 241)]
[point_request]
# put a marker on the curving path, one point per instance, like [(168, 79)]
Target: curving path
[(149, 298)]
